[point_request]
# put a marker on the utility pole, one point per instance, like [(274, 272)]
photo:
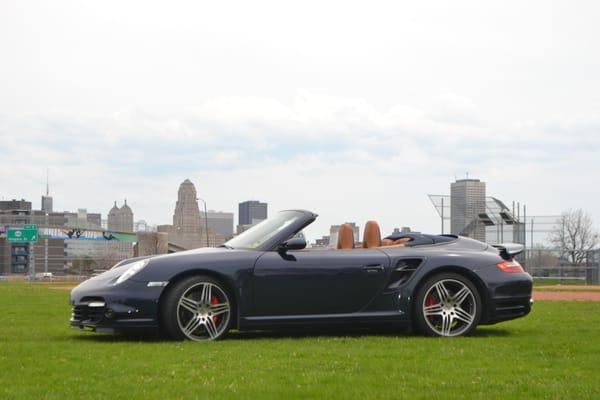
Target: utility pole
[(46, 255), (205, 221), (31, 262), (442, 215)]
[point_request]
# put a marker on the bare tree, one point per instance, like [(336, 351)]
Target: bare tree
[(575, 236)]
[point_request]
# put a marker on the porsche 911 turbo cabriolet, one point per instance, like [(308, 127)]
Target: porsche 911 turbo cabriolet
[(265, 278)]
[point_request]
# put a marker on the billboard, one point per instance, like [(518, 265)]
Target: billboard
[(86, 234)]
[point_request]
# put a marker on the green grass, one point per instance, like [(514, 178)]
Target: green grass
[(558, 281), (554, 353)]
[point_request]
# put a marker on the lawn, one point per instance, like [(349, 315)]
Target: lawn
[(553, 353), (558, 281)]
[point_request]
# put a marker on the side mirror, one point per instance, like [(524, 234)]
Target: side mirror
[(292, 244)]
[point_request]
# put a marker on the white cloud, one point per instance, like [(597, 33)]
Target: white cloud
[(343, 158), (356, 110)]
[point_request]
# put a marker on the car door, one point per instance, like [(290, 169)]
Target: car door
[(307, 282)]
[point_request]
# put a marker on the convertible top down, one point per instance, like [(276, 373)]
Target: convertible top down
[(442, 285)]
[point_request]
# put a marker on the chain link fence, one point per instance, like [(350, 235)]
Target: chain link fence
[(553, 266)]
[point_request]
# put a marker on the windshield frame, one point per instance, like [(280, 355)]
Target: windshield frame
[(304, 219)]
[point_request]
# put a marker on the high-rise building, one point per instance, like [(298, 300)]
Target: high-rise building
[(120, 219), (186, 230), (252, 212), (220, 223), (467, 199), (47, 204), (15, 212), (47, 199), (15, 205)]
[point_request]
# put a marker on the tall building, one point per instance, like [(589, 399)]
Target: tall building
[(15, 205), (120, 219), (47, 199), (220, 223), (15, 212), (467, 200), (252, 212), (186, 230), (83, 219), (47, 204)]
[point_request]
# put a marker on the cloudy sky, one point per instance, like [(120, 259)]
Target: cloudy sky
[(355, 110)]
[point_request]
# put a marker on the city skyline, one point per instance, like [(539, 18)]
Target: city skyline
[(314, 232)]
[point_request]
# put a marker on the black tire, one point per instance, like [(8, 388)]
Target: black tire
[(202, 315), (437, 314)]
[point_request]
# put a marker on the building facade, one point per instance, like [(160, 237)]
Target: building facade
[(220, 223), (252, 212), (15, 258), (47, 204), (120, 219), (83, 220), (186, 231), (467, 199), (15, 205)]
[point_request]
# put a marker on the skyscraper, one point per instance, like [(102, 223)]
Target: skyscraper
[(251, 212), (220, 223), (120, 219), (467, 200), (186, 230), (47, 199)]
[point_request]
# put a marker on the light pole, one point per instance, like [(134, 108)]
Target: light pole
[(205, 220)]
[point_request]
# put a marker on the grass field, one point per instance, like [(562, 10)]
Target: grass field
[(558, 281), (554, 353)]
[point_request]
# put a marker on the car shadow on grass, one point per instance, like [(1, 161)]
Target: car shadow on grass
[(285, 333)]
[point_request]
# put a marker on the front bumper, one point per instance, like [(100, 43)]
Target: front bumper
[(102, 307)]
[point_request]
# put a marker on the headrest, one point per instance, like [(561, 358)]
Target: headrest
[(372, 235), (345, 237)]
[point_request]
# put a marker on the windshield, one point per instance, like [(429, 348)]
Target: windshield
[(265, 230)]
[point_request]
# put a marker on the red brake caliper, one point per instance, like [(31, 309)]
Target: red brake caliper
[(429, 301), (216, 318)]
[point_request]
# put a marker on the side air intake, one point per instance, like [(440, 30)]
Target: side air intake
[(403, 271)]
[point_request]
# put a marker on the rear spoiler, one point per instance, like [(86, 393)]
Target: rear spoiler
[(509, 250)]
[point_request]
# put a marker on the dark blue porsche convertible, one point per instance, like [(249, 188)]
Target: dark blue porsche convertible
[(441, 285)]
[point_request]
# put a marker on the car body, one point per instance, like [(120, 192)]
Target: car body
[(273, 281)]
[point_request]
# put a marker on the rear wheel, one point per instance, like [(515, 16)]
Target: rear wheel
[(196, 308), (447, 304)]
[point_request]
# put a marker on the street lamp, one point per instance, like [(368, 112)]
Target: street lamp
[(205, 220)]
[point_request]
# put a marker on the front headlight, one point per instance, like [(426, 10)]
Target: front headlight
[(133, 269)]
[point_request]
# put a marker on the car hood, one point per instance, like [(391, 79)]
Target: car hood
[(163, 267)]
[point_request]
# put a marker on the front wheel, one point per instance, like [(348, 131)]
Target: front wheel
[(197, 308), (447, 304)]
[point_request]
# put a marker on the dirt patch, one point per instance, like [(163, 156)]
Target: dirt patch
[(577, 295)]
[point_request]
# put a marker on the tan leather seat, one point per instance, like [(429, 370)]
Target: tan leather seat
[(345, 237), (372, 235)]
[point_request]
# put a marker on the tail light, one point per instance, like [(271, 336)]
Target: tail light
[(510, 266)]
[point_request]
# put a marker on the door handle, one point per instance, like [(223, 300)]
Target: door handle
[(373, 268)]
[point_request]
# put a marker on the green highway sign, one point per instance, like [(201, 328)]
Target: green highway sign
[(22, 235), (30, 226)]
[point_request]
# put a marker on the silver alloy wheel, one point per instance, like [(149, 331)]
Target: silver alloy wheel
[(449, 307), (203, 312)]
